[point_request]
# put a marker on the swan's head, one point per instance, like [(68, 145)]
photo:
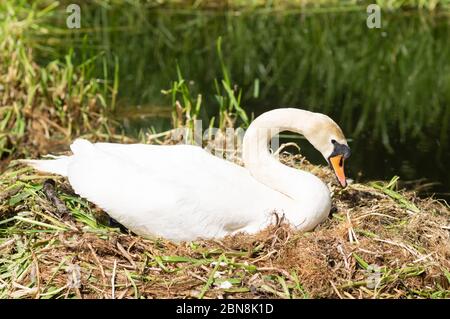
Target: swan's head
[(327, 137)]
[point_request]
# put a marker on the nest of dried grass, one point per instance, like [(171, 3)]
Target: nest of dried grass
[(377, 243)]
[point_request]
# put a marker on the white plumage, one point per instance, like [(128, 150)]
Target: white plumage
[(182, 192)]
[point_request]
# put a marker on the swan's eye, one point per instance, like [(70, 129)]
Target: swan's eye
[(333, 141)]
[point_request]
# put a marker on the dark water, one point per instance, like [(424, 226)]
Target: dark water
[(388, 88)]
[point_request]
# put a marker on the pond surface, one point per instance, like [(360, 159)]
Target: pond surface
[(388, 88)]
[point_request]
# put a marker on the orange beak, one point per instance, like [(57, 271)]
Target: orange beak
[(337, 162)]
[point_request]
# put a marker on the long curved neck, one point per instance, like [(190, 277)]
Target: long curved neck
[(268, 170)]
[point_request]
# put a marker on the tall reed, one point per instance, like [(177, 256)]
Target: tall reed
[(49, 104)]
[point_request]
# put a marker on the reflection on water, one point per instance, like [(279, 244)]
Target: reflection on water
[(389, 89)]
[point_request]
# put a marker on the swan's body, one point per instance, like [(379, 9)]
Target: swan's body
[(183, 193)]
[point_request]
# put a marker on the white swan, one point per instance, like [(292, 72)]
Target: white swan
[(183, 193)]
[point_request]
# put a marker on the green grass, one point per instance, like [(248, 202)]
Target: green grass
[(381, 86), (56, 101), (389, 190), (188, 107), (42, 253), (368, 80), (285, 4)]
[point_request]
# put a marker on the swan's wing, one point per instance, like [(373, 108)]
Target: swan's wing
[(178, 192)]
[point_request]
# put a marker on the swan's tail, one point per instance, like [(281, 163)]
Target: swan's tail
[(57, 165)]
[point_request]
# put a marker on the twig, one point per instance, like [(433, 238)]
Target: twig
[(341, 250), (37, 275), (283, 146), (351, 232), (411, 250), (7, 243), (375, 214), (281, 271), (336, 290), (113, 277), (97, 261), (126, 254)]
